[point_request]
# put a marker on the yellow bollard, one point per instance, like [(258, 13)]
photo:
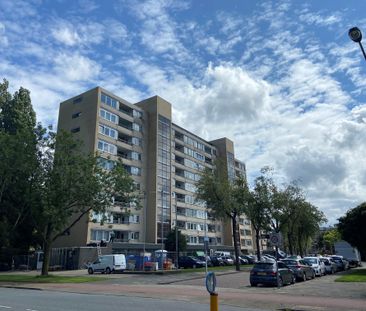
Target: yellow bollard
[(214, 302)]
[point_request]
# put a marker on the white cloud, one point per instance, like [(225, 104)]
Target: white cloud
[(3, 38), (76, 67), (66, 35), (320, 20)]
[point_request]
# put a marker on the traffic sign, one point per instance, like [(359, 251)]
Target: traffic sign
[(274, 238), (211, 282)]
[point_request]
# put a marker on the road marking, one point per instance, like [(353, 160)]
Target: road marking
[(31, 310), (5, 307)]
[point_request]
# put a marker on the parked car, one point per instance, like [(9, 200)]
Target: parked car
[(269, 258), (209, 262), (217, 261), (342, 264), (266, 273), (228, 260), (190, 262), (316, 264), (330, 266), (251, 258), (293, 257), (301, 269), (243, 260), (108, 264)]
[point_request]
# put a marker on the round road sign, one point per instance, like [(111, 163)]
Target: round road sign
[(211, 282)]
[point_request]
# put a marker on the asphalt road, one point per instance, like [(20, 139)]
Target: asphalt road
[(35, 300), (184, 290)]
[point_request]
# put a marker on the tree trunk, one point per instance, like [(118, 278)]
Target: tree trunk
[(236, 245), (46, 258), (290, 246), (257, 235), (46, 251), (300, 247)]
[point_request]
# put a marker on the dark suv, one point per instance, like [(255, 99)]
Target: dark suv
[(266, 273), (190, 262)]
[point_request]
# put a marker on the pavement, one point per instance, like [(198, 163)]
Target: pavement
[(233, 289)]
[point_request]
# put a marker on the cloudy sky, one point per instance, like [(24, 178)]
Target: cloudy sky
[(280, 78)]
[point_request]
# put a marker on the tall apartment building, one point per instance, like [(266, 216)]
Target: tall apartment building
[(165, 161)]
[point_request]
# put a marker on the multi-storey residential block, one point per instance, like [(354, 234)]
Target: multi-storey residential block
[(165, 161)]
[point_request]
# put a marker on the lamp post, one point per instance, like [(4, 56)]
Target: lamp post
[(162, 230), (176, 235), (356, 36)]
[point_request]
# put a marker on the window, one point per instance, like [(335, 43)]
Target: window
[(109, 101), (189, 199), (136, 127), (108, 116), (77, 100), (135, 170), (106, 164), (135, 156), (137, 114), (134, 235), (136, 141), (107, 147), (76, 115), (192, 240), (190, 187), (106, 130), (98, 235), (75, 129)]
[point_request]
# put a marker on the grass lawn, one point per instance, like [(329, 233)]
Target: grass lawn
[(48, 279), (358, 275)]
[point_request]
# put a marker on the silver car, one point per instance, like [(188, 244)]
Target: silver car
[(317, 265)]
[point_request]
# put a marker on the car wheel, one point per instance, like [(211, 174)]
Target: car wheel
[(108, 270), (279, 282), (313, 275), (304, 277), (253, 284), (90, 271), (194, 266), (293, 281)]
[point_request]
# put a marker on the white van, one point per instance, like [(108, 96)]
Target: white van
[(108, 264)]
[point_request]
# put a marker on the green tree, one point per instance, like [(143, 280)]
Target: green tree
[(170, 242), (71, 185), (330, 237), (351, 227), (19, 137), (258, 207), (222, 197)]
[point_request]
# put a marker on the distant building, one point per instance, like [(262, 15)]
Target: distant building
[(165, 161)]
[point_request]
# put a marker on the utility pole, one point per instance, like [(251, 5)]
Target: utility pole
[(176, 236), (162, 230)]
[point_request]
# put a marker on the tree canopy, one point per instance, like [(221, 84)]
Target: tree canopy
[(223, 198), (19, 136), (351, 227), (47, 183)]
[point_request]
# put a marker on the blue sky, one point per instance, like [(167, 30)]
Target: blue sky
[(280, 78)]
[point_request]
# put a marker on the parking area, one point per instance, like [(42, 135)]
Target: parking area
[(233, 288)]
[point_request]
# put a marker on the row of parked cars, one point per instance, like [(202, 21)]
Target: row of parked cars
[(219, 259), (294, 268)]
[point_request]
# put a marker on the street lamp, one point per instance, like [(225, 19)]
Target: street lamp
[(356, 36), (176, 235)]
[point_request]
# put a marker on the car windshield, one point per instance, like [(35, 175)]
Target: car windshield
[(263, 265), (290, 262)]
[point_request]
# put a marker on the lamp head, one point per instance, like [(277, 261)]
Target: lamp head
[(355, 34)]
